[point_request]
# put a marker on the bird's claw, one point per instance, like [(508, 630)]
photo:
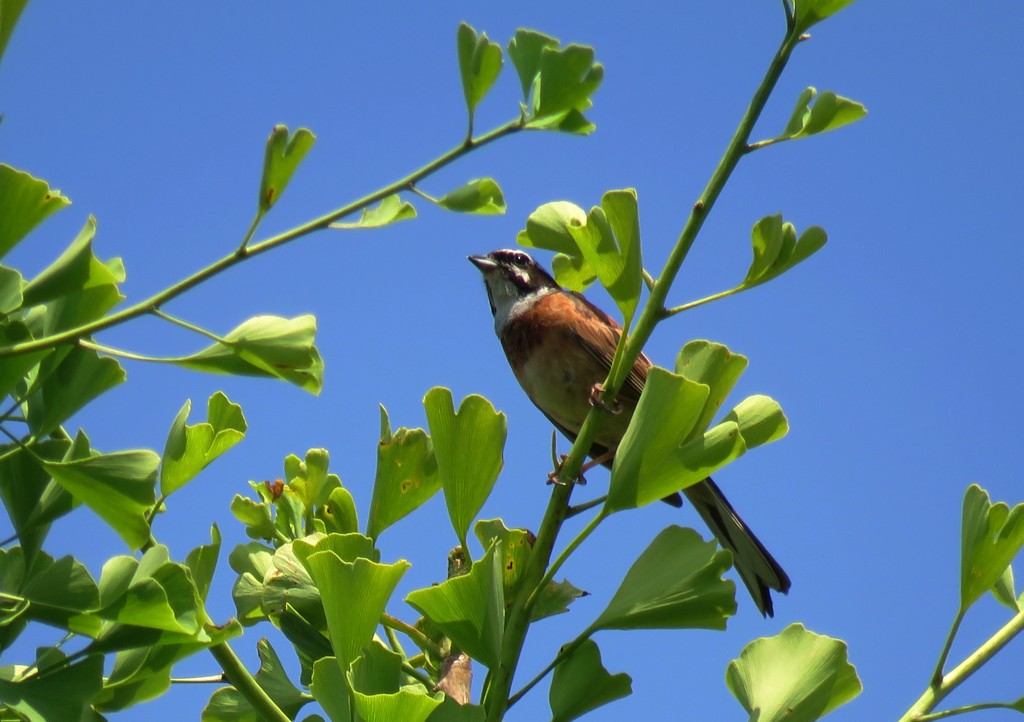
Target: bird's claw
[(553, 475), (595, 400)]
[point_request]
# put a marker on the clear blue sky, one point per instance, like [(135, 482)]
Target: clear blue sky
[(894, 351)]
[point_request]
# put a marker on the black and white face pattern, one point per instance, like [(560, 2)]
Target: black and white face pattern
[(514, 283)]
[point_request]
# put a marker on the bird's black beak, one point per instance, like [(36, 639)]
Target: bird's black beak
[(484, 263)]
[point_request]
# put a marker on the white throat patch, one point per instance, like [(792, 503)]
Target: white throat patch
[(508, 300)]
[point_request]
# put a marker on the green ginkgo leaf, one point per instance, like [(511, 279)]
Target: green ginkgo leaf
[(391, 209), (190, 449), (609, 241), (515, 547), (567, 77), (118, 487), (8, 19), (809, 12), (469, 609), (581, 684), (66, 693), (675, 584), (406, 475), (70, 380), (549, 226), (715, 366), (268, 346), (283, 154), (795, 676), (151, 592), (354, 595), (482, 196), (468, 447), (819, 112), (644, 469), (26, 201), (480, 63), (777, 249), (525, 50), (992, 535), (76, 269), (60, 593)]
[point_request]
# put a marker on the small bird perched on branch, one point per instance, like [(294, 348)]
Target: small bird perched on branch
[(560, 347)]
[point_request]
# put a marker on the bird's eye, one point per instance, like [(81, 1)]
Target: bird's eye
[(520, 259)]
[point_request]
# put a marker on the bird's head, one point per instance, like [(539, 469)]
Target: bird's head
[(514, 282)]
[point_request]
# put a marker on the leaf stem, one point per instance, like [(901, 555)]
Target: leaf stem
[(150, 516), (937, 692), (944, 654), (151, 304), (246, 684), (419, 638), (111, 351), (765, 143), (188, 326), (966, 709), (209, 679), (563, 557), (790, 19), (18, 445), (699, 302), (396, 646), (418, 675), (422, 194), (564, 652), (585, 506), (240, 251)]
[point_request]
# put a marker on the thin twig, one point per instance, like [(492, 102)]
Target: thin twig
[(154, 302)]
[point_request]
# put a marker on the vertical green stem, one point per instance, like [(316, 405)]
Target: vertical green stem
[(245, 683), (654, 309), (499, 681)]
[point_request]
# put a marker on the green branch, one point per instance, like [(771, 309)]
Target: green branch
[(419, 638), (246, 684), (937, 692), (654, 309), (499, 680), (151, 304), (498, 684), (563, 652)]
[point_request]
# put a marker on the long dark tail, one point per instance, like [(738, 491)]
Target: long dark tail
[(756, 567)]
